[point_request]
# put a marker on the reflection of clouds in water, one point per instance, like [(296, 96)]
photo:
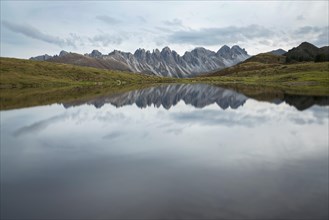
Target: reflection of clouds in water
[(320, 113), (254, 161), (108, 116), (253, 114), (41, 125), (113, 135), (214, 117), (255, 187)]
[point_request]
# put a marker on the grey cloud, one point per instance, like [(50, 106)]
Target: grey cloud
[(105, 40), (319, 34), (307, 30), (142, 19), (164, 29), (265, 42), (214, 36), (175, 131), (34, 33), (322, 39), (108, 20), (174, 22), (76, 38), (300, 17)]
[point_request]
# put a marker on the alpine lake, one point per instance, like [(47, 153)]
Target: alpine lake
[(180, 151)]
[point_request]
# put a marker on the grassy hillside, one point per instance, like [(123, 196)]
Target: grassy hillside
[(18, 73), (258, 69), (267, 58), (81, 60), (308, 78)]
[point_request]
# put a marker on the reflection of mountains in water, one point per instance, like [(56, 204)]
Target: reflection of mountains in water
[(305, 102), (198, 95)]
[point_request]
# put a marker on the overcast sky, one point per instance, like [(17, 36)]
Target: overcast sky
[(30, 28)]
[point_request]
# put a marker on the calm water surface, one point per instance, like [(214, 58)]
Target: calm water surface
[(171, 152)]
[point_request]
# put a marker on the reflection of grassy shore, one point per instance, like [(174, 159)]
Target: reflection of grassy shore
[(28, 97), (29, 83)]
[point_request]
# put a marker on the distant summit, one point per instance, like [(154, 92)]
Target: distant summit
[(96, 54), (307, 52), (166, 62), (63, 53), (41, 58), (278, 52)]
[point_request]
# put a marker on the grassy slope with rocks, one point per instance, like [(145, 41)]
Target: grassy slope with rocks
[(271, 70), (18, 73)]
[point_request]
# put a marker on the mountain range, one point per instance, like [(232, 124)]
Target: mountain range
[(199, 61), (166, 62)]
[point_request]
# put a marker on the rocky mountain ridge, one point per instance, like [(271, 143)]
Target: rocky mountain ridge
[(166, 62)]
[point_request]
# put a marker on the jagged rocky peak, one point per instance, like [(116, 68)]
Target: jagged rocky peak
[(156, 51), (238, 50), (174, 53), (115, 53), (41, 58), (200, 51), (96, 54), (63, 53), (166, 50), (139, 50), (224, 50), (140, 53)]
